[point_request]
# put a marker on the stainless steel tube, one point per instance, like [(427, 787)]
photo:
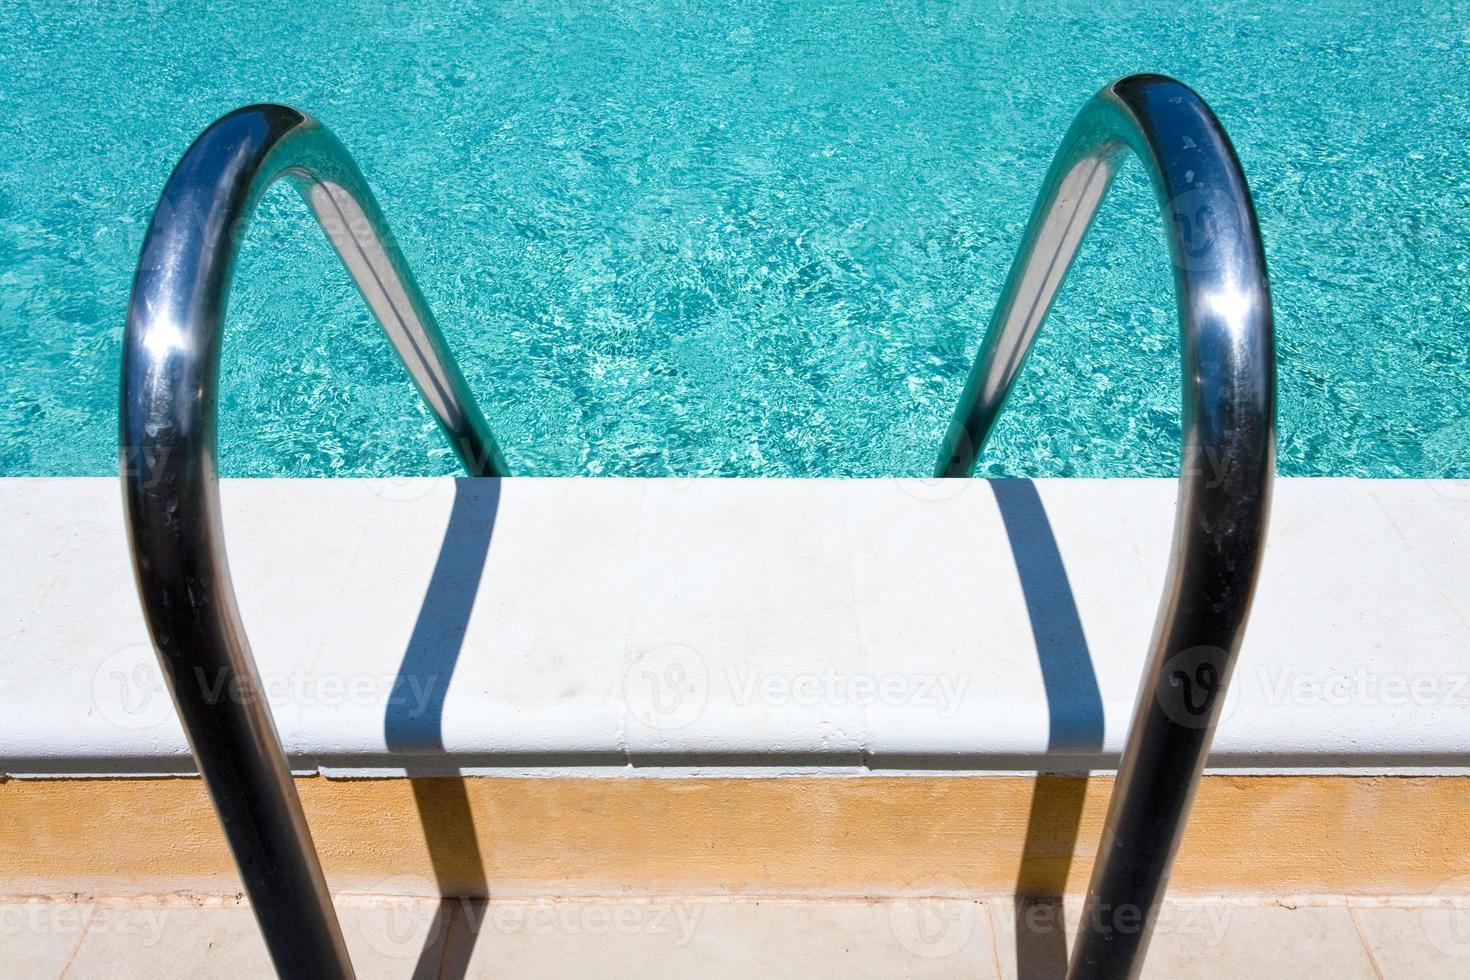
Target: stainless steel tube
[(1229, 449), (170, 377)]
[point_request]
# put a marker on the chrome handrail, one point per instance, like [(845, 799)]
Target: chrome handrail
[(170, 376), (1229, 451), (168, 429)]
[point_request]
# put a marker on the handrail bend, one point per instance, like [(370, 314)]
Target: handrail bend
[(1229, 449), (171, 355)]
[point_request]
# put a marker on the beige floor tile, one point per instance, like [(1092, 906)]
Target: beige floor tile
[(648, 940), (395, 939), (1251, 941), (1418, 944), (771, 940), (37, 938), (387, 940), (164, 943), (1196, 940), (1033, 939)]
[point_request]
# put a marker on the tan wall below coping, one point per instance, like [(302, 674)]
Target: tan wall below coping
[(805, 835)]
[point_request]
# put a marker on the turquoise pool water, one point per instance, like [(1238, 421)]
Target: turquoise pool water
[(741, 238)]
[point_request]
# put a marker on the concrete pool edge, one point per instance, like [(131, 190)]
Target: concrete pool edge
[(741, 627)]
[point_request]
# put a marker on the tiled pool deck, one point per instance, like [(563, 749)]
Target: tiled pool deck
[(651, 938)]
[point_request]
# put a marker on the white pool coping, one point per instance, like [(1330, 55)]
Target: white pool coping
[(657, 627)]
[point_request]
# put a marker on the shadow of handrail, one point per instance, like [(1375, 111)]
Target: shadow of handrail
[(413, 726), (1074, 725), (414, 721)]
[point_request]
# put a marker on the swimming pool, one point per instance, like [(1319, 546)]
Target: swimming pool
[(742, 239)]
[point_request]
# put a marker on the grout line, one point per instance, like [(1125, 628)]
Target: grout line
[(77, 946), (445, 934), (994, 939), (348, 898), (1363, 938)]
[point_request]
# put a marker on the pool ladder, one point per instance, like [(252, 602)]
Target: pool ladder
[(169, 472)]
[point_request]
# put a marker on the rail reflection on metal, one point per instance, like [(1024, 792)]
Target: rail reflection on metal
[(169, 386), (1229, 448)]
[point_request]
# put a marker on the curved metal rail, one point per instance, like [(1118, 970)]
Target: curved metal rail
[(168, 428), (1229, 450), (171, 497)]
